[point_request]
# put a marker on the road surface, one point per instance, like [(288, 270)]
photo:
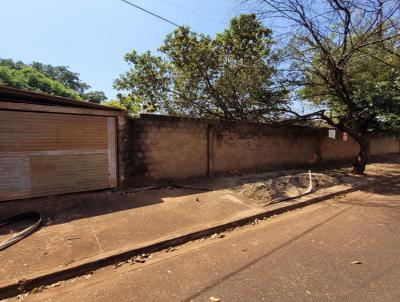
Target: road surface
[(345, 249)]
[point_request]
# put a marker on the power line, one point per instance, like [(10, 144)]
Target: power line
[(161, 18), (151, 13), (193, 11)]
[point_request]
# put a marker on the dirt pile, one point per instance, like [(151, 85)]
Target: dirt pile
[(266, 190)]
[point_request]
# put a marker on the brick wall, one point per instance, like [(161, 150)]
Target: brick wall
[(166, 148), (162, 148)]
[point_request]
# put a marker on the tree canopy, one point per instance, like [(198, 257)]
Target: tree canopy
[(373, 78), (95, 97), (231, 76), (57, 80), (344, 57), (30, 79)]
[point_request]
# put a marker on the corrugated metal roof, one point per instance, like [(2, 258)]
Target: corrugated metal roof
[(12, 94)]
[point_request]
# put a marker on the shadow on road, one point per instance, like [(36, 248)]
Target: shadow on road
[(266, 255)]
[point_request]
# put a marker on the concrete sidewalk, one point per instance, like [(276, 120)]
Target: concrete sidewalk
[(344, 249), (85, 227)]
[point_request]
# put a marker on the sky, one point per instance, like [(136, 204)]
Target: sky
[(92, 36)]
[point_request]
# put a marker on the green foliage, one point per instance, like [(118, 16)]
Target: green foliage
[(57, 80), (114, 104), (63, 75), (373, 80), (125, 103), (30, 79), (344, 57), (95, 97), (230, 77)]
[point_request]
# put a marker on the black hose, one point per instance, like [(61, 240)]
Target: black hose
[(24, 233)]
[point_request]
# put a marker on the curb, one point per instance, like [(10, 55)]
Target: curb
[(16, 287)]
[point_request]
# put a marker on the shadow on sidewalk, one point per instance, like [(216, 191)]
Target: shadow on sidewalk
[(70, 207)]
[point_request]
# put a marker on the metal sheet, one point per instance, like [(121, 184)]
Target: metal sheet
[(47, 153)]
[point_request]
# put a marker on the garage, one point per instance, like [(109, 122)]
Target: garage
[(51, 145)]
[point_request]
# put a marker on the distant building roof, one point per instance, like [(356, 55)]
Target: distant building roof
[(17, 95)]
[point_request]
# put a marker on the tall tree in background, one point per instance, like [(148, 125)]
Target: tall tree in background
[(96, 97), (57, 80), (230, 77), (344, 57), (63, 75)]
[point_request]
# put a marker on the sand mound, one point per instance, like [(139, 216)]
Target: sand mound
[(268, 189)]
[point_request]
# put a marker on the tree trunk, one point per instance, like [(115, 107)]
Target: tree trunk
[(359, 137), (361, 160)]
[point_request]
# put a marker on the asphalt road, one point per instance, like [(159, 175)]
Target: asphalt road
[(345, 249)]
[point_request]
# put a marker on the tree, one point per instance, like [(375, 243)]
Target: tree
[(125, 103), (63, 75), (376, 90), (30, 79), (95, 97), (229, 77), (344, 56), (57, 80)]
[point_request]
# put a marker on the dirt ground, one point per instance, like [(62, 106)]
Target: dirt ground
[(269, 187)]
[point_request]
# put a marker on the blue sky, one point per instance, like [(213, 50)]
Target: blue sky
[(92, 36)]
